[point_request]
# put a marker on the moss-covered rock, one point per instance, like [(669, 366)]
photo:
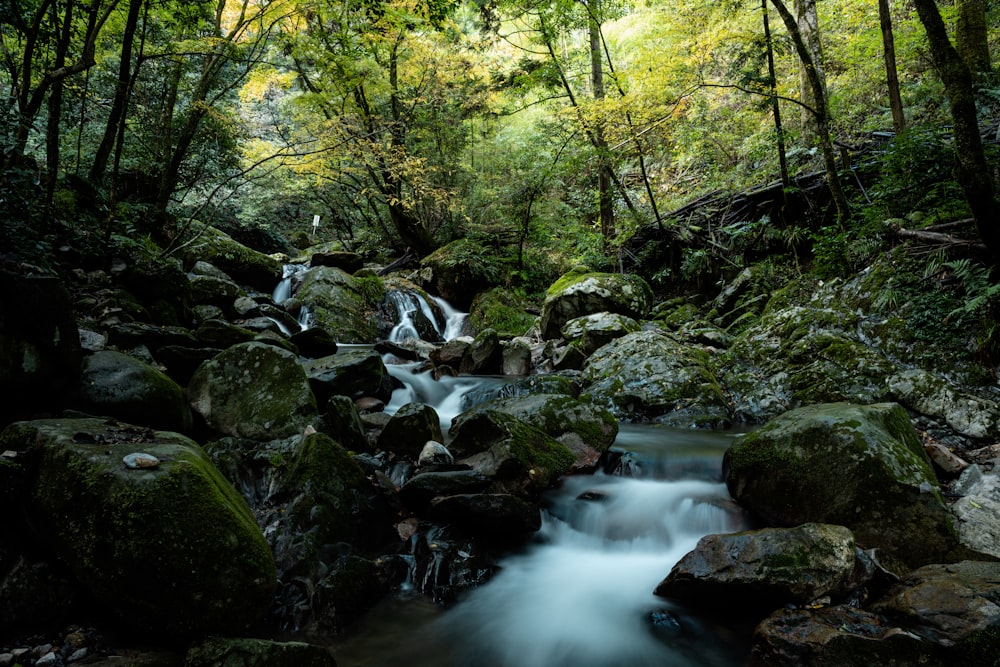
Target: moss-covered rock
[(460, 270), (117, 385), (339, 303), (933, 395), (353, 373), (250, 267), (762, 570), (652, 375), (580, 293), (253, 390), (171, 548), (516, 457), (863, 467), (406, 433), (504, 310), (596, 330)]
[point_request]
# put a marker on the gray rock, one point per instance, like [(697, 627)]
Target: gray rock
[(352, 373), (338, 304), (409, 430), (764, 569), (978, 511), (516, 358), (595, 330), (863, 467), (254, 391), (932, 395), (580, 293), (434, 453), (117, 385)]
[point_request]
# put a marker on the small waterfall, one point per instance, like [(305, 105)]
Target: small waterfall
[(406, 304), (455, 321), (283, 291), (305, 317), (444, 395)]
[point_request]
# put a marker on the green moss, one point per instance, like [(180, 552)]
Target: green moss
[(982, 647), (504, 310)]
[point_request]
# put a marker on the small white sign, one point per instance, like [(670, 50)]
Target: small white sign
[(315, 221)]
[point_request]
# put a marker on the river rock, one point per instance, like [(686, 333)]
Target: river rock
[(595, 330), (172, 549), (457, 272), (516, 457), (314, 342), (349, 262), (343, 422), (351, 373), (490, 514), (483, 356), (232, 652), (586, 429), (219, 292), (651, 374), (516, 358), (435, 454), (253, 390), (863, 467), (39, 346), (801, 355), (762, 570), (932, 395), (978, 510), (840, 636), (954, 606), (339, 304), (410, 428), (247, 266), (117, 385), (417, 491), (125, 335), (451, 353), (580, 292), (221, 333)]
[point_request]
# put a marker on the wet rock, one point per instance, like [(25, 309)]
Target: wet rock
[(114, 526), (254, 391), (839, 636), (762, 570), (343, 422), (219, 292), (339, 304), (515, 456), (351, 373), (422, 487), (978, 510), (408, 431), (182, 362), (435, 453), (120, 386), (138, 460), (516, 358), (484, 355), (222, 334), (953, 606), (490, 514), (132, 334), (580, 293), (451, 353), (230, 652), (456, 272), (568, 358), (651, 374), (245, 265), (348, 262), (314, 342), (884, 488)]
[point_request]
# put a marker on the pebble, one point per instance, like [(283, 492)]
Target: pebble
[(137, 460)]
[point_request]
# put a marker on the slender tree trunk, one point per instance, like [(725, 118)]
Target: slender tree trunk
[(772, 82), (605, 204), (971, 35), (971, 169), (820, 111), (807, 20), (891, 78), (120, 100)]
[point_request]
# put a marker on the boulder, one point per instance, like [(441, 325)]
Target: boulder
[(493, 515), (580, 293), (125, 335), (255, 391), (863, 467), (484, 355), (978, 510), (420, 489), (117, 385), (932, 395), (761, 570), (840, 636), (410, 429), (343, 422), (652, 375), (314, 342), (352, 373), (39, 345), (170, 547), (586, 429), (241, 652), (220, 333), (408, 312), (516, 358), (339, 303), (590, 332), (516, 457), (349, 262), (458, 272), (952, 606), (247, 266), (219, 292)]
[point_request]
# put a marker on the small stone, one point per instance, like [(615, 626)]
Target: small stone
[(6, 659), (138, 460), (47, 660), (9, 454), (41, 650), (434, 453)]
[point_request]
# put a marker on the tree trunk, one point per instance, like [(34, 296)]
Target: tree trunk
[(605, 204), (971, 35), (891, 78), (807, 21), (120, 100), (820, 111), (971, 170), (772, 82)]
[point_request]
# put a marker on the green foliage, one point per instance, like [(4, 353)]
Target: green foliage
[(504, 310)]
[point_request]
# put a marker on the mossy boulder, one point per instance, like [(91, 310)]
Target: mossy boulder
[(596, 330), (652, 375), (586, 429), (516, 457), (484, 356), (353, 373), (253, 390), (504, 310), (406, 433), (339, 303), (580, 293), (761, 570), (171, 548), (459, 271), (247, 266), (117, 385), (860, 466), (932, 395)]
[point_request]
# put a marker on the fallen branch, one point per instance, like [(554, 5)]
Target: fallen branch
[(939, 239)]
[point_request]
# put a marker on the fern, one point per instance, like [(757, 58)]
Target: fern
[(979, 288)]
